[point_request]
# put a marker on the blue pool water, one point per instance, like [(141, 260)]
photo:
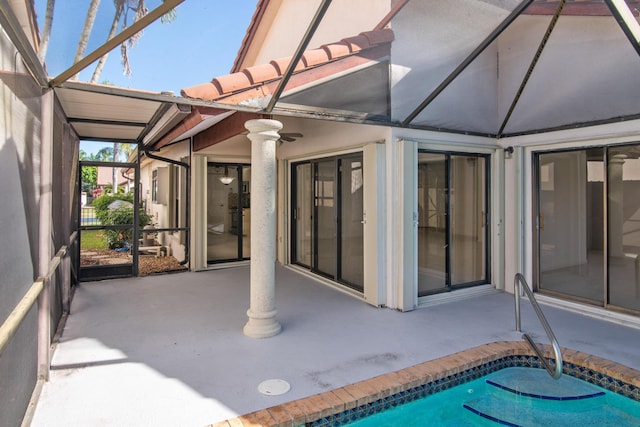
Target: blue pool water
[(515, 396)]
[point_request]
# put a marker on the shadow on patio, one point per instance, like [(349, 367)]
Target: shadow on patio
[(169, 350)]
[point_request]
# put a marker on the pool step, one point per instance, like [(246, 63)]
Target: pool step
[(510, 411), (537, 384), (530, 397)]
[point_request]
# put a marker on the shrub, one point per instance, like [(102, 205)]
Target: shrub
[(101, 204), (119, 216)]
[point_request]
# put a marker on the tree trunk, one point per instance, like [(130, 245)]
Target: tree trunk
[(46, 31), (86, 32), (114, 28)]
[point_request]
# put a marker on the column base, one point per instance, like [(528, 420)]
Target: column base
[(262, 325)]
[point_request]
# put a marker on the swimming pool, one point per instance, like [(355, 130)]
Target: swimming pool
[(514, 396), (354, 402)]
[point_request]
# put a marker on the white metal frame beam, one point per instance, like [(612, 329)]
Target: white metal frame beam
[(627, 21)]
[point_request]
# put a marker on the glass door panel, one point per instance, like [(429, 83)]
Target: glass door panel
[(623, 184), (302, 214), (468, 209), (432, 222), (571, 244), (351, 225), (245, 222), (325, 214), (452, 233), (228, 213)]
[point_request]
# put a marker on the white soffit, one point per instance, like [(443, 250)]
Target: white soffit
[(107, 131), (100, 106)]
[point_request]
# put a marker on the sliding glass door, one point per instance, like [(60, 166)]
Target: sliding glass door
[(327, 229), (588, 225), (623, 199), (452, 221), (571, 238), (228, 212)]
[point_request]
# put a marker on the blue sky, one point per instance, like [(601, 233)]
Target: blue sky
[(200, 44)]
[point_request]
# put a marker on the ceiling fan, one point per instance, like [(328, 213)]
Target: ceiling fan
[(285, 136), (289, 137)]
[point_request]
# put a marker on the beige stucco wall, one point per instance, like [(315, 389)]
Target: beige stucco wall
[(281, 34), (160, 210)]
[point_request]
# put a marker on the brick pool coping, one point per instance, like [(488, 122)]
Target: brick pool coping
[(322, 405)]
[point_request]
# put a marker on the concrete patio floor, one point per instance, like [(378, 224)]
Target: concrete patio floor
[(169, 350)]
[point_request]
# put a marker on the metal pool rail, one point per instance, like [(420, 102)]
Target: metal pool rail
[(520, 284)]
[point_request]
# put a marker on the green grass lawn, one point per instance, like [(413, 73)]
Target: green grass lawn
[(91, 240)]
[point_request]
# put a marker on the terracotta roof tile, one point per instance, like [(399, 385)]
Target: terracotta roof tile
[(258, 76), (261, 73), (202, 91), (314, 57), (281, 64), (384, 35), (357, 43), (337, 50), (232, 82)]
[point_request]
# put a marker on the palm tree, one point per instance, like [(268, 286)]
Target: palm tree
[(46, 31), (112, 32), (86, 31), (122, 8), (105, 154)]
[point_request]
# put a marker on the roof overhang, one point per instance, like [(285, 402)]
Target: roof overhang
[(108, 113)]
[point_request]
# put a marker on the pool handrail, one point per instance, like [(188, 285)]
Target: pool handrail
[(520, 284)]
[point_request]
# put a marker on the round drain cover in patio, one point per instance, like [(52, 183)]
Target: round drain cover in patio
[(274, 387)]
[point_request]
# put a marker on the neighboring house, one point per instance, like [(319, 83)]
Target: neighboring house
[(104, 179)]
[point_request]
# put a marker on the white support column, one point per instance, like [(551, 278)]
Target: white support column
[(263, 134), (45, 235)]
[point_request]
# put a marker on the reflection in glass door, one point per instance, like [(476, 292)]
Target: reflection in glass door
[(432, 222), (589, 225), (351, 221), (452, 232), (228, 212), (325, 213), (327, 222), (302, 215), (623, 185), (571, 239)]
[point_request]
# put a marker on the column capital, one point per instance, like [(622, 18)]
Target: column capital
[(263, 125)]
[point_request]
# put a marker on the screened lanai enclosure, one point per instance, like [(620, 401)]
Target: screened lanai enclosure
[(483, 67), (440, 145), (496, 69)]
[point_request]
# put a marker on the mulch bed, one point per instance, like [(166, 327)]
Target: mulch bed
[(147, 264)]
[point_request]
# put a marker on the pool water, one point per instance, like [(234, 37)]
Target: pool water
[(515, 396)]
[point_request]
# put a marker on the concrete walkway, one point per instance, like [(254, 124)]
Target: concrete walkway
[(169, 350)]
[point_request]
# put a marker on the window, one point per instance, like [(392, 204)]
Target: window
[(154, 186)]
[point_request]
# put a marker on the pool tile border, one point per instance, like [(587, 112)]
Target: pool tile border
[(358, 400)]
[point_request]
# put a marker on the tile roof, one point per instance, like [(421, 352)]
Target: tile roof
[(574, 7), (256, 19), (230, 84)]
